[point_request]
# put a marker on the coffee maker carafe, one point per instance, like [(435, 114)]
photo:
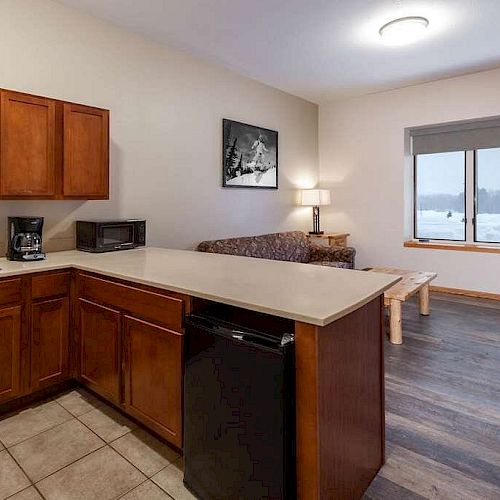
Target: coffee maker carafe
[(25, 238)]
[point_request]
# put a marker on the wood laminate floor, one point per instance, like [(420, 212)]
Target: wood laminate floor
[(443, 404)]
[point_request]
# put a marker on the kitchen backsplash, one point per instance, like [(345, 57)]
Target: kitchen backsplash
[(49, 244), (59, 224)]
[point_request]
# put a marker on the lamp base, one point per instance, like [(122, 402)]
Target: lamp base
[(316, 230), (316, 233)]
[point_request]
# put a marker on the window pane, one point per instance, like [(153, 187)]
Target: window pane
[(488, 195), (440, 198)]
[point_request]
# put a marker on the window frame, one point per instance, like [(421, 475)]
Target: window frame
[(474, 215), (415, 234)]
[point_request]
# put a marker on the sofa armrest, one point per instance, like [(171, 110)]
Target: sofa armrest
[(322, 253)]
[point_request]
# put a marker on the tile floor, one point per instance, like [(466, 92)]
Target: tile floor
[(74, 447)]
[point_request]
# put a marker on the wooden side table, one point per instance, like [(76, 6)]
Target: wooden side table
[(334, 239)]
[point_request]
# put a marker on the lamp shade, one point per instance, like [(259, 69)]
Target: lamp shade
[(314, 197)]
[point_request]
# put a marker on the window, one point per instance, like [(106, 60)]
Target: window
[(443, 184), (457, 182), (440, 196), (487, 209)]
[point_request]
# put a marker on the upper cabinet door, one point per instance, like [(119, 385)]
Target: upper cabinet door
[(27, 146), (86, 152)]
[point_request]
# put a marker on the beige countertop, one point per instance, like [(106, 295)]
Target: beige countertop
[(302, 292)]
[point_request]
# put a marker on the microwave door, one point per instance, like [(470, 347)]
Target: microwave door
[(117, 236)]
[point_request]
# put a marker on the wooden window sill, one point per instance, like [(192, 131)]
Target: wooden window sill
[(461, 247)]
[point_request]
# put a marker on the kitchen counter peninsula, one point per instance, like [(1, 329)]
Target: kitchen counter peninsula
[(142, 294), (313, 294)]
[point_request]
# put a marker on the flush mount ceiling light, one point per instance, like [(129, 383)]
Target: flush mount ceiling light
[(404, 31)]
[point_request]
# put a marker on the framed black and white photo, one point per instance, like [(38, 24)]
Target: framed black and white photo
[(250, 156)]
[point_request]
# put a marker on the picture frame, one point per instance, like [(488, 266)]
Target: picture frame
[(249, 156)]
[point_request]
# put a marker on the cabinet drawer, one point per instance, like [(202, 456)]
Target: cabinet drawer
[(10, 291), (50, 285), (156, 307)]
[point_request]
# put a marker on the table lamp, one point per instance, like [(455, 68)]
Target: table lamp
[(315, 198)]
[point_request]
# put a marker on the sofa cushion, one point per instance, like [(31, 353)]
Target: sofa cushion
[(322, 253), (328, 263), (291, 246)]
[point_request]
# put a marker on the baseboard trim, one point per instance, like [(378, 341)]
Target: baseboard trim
[(27, 400), (466, 293)]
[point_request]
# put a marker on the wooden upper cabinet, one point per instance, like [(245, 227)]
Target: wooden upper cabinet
[(27, 146), (50, 149), (86, 152), (10, 353)]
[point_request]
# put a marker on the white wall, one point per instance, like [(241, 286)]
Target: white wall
[(166, 128), (362, 159)]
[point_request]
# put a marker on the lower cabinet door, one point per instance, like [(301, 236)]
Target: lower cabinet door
[(49, 342), (100, 348), (153, 377), (10, 353)]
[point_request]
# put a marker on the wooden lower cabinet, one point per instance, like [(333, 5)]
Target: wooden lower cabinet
[(49, 342), (153, 377), (100, 349), (10, 353), (123, 342)]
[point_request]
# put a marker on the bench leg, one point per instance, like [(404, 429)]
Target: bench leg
[(424, 301), (396, 334)]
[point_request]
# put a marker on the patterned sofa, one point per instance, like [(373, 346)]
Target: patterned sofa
[(292, 246)]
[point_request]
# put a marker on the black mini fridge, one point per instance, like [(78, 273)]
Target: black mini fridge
[(239, 408)]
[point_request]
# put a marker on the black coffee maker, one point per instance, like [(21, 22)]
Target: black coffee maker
[(24, 238)]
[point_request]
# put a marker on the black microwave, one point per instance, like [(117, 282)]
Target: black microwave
[(110, 235)]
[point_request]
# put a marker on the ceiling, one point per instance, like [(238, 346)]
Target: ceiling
[(318, 49)]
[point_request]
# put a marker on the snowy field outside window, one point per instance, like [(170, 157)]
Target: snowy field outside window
[(441, 199), (440, 188)]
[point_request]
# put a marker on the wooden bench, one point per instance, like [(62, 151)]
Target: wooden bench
[(412, 282)]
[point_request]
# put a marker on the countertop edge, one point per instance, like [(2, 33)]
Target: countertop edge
[(361, 303), (48, 268), (216, 298), (253, 307)]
